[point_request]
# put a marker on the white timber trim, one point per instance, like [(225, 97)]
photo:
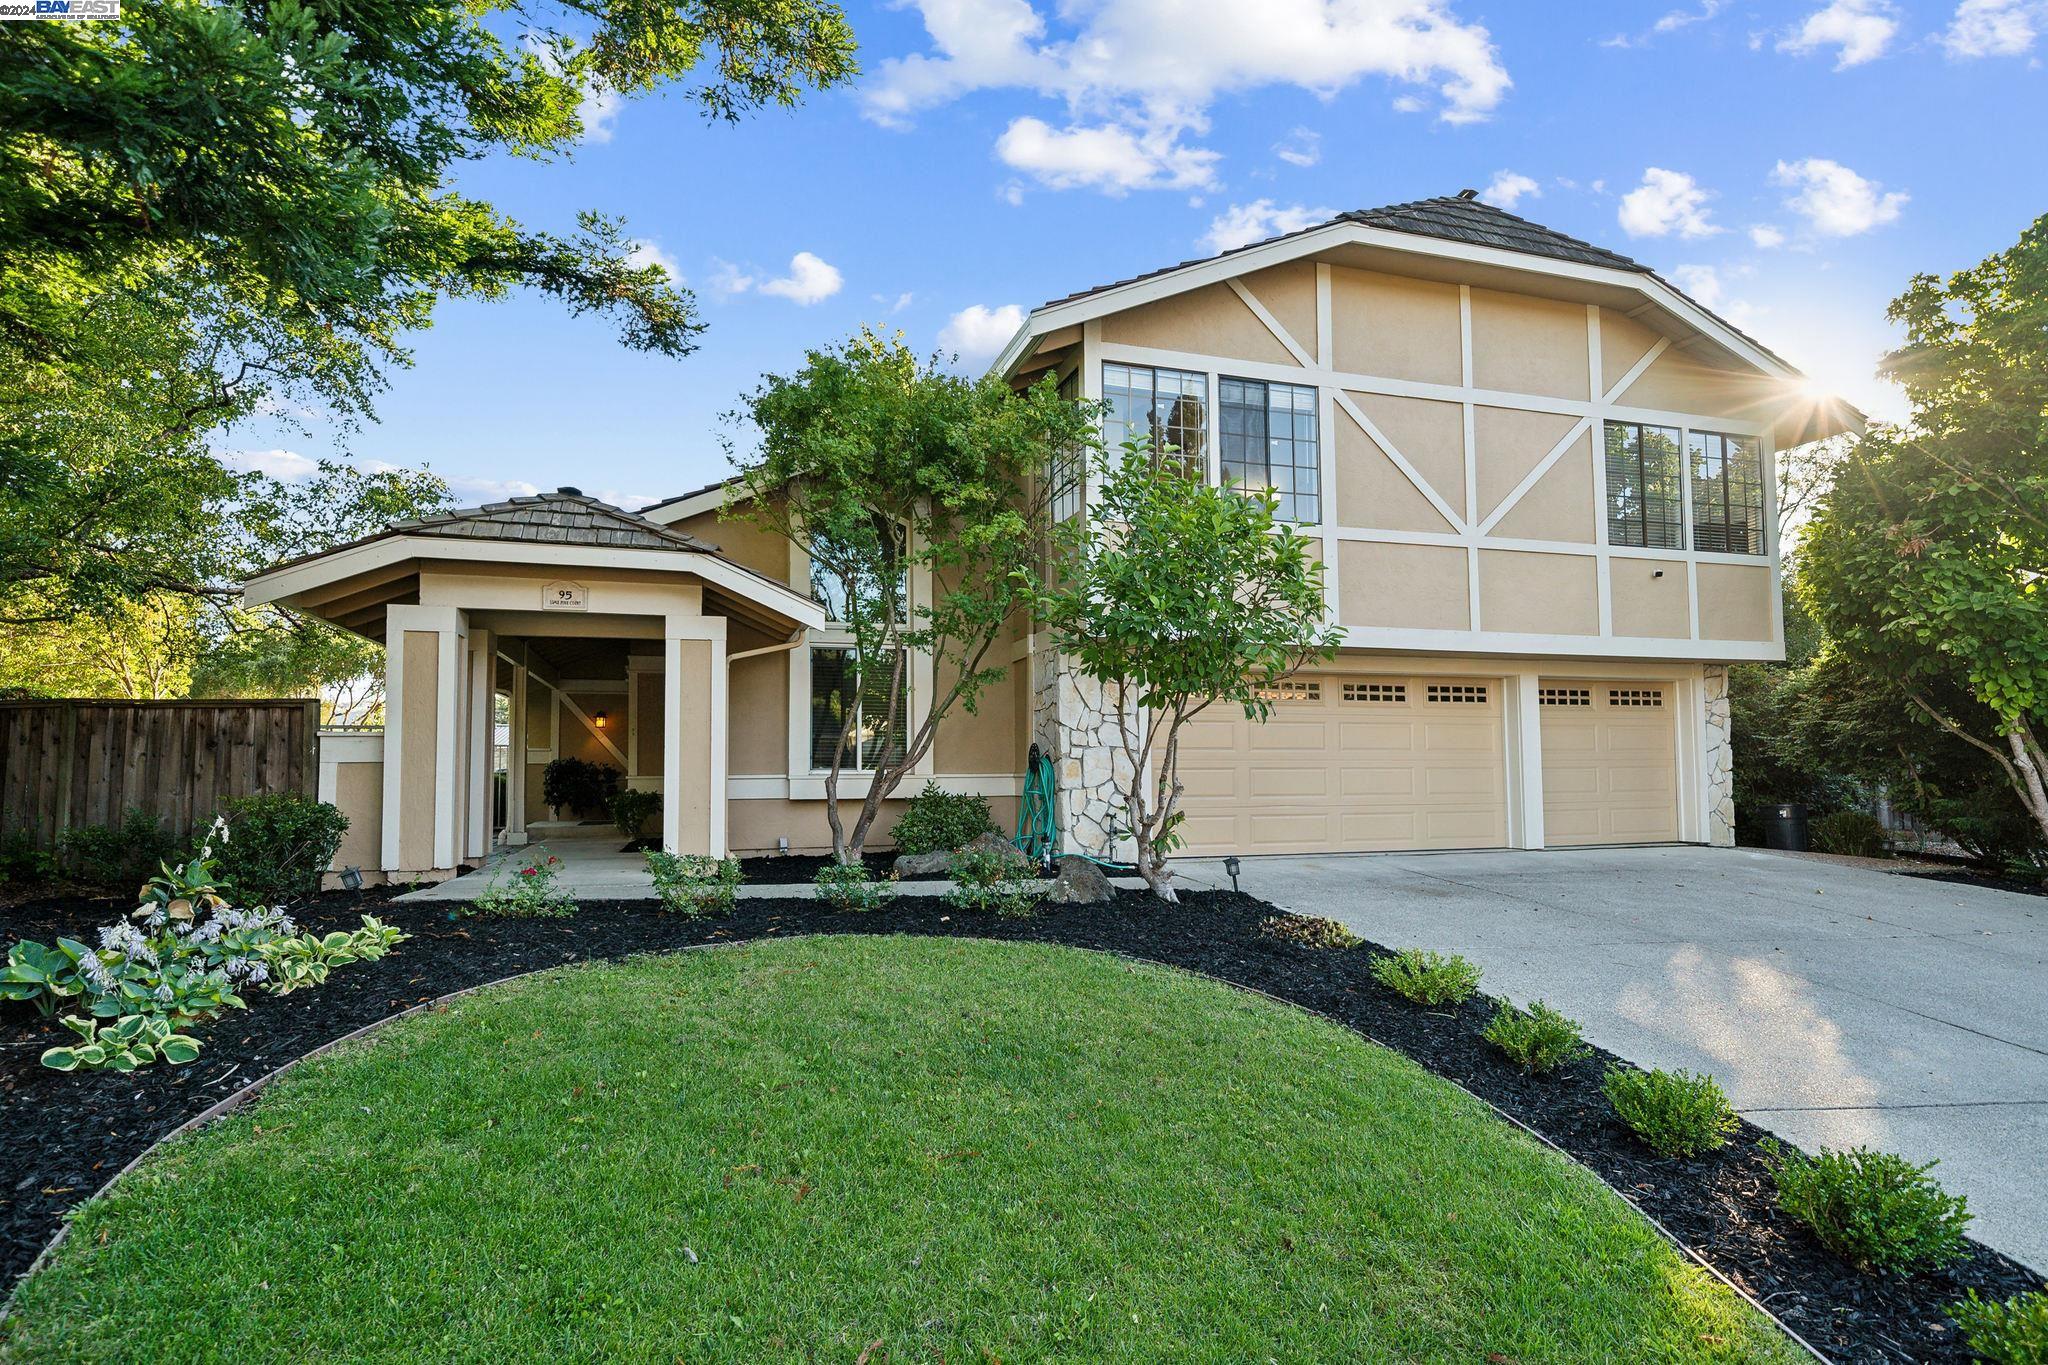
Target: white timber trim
[(1280, 333)]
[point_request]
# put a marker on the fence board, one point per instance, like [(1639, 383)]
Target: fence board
[(76, 762)]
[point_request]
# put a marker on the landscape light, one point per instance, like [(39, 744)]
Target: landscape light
[(351, 879), (1232, 865)]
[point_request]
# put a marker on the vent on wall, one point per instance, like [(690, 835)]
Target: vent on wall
[(1564, 696), (1394, 693), (1292, 691), (1635, 696), (1458, 693)]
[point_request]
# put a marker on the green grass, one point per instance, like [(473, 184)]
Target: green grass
[(960, 1150)]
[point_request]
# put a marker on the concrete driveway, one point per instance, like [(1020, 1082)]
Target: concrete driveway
[(1837, 1004)]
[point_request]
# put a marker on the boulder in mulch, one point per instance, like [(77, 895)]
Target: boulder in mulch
[(1079, 882), (935, 866), (922, 867)]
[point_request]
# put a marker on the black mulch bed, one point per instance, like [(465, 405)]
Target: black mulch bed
[(801, 869), (66, 1134), (1963, 876)]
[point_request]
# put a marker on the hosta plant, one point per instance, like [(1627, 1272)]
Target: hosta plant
[(131, 1041), (306, 959), (694, 883)]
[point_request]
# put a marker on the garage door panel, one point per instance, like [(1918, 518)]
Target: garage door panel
[(1610, 773), (1370, 766), (1207, 735), (1217, 782)]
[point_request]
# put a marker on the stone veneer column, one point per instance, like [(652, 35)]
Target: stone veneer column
[(1072, 722), (1719, 758)]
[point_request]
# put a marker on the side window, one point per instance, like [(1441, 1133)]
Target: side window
[(1269, 441), (1645, 502), (1727, 493), (1068, 474), (839, 699), (1167, 406), (836, 572)]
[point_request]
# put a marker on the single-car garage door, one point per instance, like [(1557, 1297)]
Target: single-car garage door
[(1350, 764), (1610, 770)]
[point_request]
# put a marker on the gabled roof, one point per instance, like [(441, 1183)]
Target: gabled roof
[(1452, 218), (564, 517)]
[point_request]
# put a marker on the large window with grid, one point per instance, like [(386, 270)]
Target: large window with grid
[(1727, 493), (842, 570), (1268, 435), (841, 698), (1645, 501), (1149, 404), (1067, 471)]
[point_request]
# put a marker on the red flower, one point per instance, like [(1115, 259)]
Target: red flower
[(528, 871)]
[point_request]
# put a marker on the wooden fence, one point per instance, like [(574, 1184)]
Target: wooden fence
[(69, 763)]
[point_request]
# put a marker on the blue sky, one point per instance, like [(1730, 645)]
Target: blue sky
[(1791, 164)]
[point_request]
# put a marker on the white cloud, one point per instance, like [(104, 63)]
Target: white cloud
[(1507, 187), (728, 279), (1109, 157), (1243, 224), (1859, 31), (1409, 104), (1137, 77), (897, 304), (1671, 22), (287, 466), (809, 281), (473, 490), (1666, 202), (597, 111), (977, 331), (1703, 282), (1765, 236), (1302, 147), (1834, 199), (1994, 28), (644, 251), (1012, 193)]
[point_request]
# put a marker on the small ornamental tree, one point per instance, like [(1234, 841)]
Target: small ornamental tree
[(1926, 559), (1177, 596), (921, 498)]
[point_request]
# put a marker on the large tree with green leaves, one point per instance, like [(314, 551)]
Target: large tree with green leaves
[(1926, 561), (1177, 596), (209, 210), (922, 500)]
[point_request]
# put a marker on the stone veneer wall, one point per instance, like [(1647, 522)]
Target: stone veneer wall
[(1720, 759), (1071, 722)]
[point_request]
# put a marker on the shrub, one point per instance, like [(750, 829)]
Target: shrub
[(939, 821), (1538, 1039), (987, 880), (850, 886), (276, 846), (1425, 977), (131, 1041), (114, 858), (1876, 1210), (579, 787), (2011, 1333), (694, 883), (631, 810), (1675, 1113), (22, 863), (527, 891), (1853, 833), (1308, 931)]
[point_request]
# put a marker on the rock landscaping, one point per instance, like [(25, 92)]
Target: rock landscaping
[(68, 1133)]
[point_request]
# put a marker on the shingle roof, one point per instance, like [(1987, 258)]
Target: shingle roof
[(563, 517), (1452, 217), (694, 492)]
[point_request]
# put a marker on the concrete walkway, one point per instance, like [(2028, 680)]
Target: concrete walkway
[(1837, 1004)]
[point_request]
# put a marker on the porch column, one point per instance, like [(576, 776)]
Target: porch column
[(693, 734), (423, 670), (515, 749), (482, 662)]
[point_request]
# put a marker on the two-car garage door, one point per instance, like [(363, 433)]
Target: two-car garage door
[(1350, 764), (1374, 762)]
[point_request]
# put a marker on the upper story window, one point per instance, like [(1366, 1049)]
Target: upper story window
[(1269, 441), (1068, 473), (838, 570), (1150, 404), (1645, 501), (1727, 493)]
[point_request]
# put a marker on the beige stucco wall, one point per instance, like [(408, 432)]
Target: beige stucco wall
[(741, 541), (1397, 328), (1644, 603), (1419, 586), (1288, 292), (693, 770), (1735, 601), (757, 715), (1561, 507), (753, 825), (1525, 593), (1509, 442), (359, 795), (420, 738), (1371, 492), (1212, 320), (1430, 436), (1522, 344)]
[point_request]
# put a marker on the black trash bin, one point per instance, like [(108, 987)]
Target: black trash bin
[(1785, 828)]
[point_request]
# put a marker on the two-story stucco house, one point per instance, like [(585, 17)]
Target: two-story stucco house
[(1541, 480)]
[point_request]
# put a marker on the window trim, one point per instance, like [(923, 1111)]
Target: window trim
[(854, 765), (1682, 472), (1729, 442), (1206, 458), (1292, 496)]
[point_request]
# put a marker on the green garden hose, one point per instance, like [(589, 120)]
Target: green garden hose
[(1038, 837)]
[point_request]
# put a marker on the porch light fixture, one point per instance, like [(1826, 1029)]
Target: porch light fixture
[(600, 720), (1233, 867), (351, 879)]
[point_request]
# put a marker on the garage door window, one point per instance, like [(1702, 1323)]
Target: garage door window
[(1565, 696), (1381, 693), (1634, 696), (1458, 694)]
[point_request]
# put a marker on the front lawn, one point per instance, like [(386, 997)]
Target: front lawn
[(960, 1150)]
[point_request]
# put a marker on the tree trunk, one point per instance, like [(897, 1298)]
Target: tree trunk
[(2033, 793)]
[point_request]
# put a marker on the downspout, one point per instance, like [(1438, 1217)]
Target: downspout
[(802, 632)]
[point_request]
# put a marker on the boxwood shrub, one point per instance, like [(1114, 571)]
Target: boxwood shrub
[(276, 846), (1675, 1113), (938, 821), (1876, 1210)]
